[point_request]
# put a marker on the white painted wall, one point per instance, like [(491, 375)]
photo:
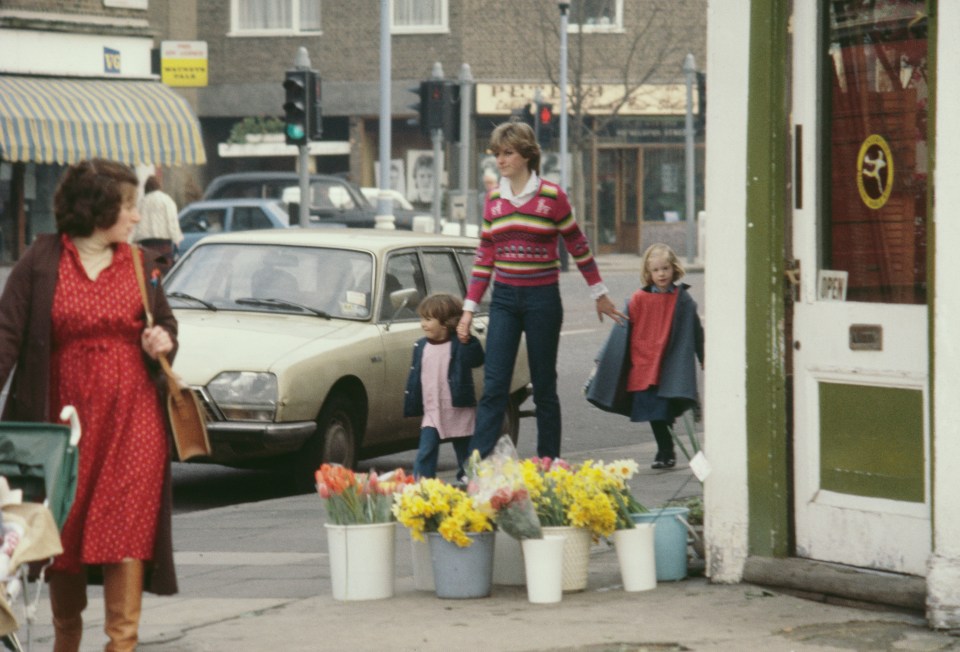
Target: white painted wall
[(943, 577), (725, 490)]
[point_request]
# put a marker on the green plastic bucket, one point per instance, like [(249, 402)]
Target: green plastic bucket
[(670, 541)]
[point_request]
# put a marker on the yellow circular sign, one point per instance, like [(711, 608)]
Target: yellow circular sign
[(875, 171)]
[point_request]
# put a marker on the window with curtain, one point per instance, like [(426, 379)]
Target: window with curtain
[(596, 15), (276, 15), (418, 16)]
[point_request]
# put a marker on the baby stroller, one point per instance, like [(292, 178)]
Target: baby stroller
[(40, 460)]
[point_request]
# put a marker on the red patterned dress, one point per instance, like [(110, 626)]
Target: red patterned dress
[(97, 366)]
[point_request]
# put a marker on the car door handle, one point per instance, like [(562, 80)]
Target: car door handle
[(480, 326)]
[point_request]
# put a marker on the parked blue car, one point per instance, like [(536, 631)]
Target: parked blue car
[(225, 215)]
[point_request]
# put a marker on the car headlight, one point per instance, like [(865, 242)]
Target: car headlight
[(245, 395)]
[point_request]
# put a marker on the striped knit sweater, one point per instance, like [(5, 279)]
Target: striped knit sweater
[(520, 243)]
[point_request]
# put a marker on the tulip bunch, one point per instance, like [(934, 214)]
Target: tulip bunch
[(358, 498)]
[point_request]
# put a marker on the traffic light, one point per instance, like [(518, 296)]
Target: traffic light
[(435, 94), (545, 124), (316, 113), (451, 112), (298, 105), (438, 108)]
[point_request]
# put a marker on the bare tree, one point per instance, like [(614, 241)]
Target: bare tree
[(650, 50), (647, 51)]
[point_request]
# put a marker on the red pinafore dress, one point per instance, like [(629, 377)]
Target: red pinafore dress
[(97, 365)]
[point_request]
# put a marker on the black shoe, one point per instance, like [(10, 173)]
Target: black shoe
[(664, 461)]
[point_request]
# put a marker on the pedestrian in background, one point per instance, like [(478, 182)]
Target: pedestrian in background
[(72, 322), (522, 221), (159, 228), (666, 340), (440, 384)]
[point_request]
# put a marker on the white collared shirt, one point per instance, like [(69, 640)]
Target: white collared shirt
[(529, 190)]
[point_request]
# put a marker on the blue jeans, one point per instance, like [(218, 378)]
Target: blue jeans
[(536, 312), (425, 465)]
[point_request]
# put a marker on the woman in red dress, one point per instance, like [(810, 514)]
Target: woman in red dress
[(72, 321)]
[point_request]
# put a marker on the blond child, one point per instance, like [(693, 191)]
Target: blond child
[(666, 340)]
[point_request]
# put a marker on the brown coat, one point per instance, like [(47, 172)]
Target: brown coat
[(25, 326)]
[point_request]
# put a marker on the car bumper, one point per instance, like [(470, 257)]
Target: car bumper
[(236, 442)]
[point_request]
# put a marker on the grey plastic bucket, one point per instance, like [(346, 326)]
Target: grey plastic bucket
[(462, 572), (670, 541)]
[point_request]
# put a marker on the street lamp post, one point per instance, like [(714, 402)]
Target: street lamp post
[(564, 171), (690, 71), (384, 217)]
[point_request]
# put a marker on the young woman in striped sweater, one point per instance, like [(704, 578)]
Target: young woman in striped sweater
[(522, 221)]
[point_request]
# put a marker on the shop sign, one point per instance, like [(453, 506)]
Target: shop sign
[(183, 63), (598, 99)]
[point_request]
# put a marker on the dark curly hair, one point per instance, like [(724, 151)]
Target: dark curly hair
[(445, 308), (89, 196), (519, 137)]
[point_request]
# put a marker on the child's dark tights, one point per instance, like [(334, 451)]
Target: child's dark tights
[(661, 431)]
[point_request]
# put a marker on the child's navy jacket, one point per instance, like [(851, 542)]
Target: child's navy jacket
[(463, 358)]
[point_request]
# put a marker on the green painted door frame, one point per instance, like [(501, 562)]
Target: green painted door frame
[(768, 459)]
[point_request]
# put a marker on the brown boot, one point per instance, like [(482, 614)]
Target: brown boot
[(122, 593), (68, 599)]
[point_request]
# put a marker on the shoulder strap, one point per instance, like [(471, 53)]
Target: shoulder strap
[(138, 269)]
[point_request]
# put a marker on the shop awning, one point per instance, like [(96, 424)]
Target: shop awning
[(47, 120)]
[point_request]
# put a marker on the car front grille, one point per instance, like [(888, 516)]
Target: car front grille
[(210, 412)]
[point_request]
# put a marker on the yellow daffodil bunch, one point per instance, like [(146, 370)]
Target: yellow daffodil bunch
[(431, 505), (572, 495)]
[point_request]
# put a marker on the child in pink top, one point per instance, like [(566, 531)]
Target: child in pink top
[(440, 385)]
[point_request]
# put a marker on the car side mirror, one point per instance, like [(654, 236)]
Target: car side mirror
[(401, 299)]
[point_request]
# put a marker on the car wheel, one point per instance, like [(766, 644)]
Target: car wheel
[(334, 442)]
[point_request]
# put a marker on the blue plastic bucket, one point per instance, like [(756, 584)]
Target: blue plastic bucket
[(670, 541)]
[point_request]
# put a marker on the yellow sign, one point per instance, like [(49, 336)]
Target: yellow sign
[(875, 171), (183, 63)]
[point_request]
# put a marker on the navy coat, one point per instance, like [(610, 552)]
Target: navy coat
[(463, 358)]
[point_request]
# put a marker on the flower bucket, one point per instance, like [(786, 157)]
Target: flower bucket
[(362, 560), (635, 552), (507, 561), (576, 555), (543, 562), (671, 541), (460, 573), (422, 566)]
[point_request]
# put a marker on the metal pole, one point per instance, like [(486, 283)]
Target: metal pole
[(302, 62), (385, 218), (690, 71), (466, 86), (437, 137), (564, 147)]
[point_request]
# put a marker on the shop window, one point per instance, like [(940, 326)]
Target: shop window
[(279, 16), (875, 217), (418, 16), (596, 16)]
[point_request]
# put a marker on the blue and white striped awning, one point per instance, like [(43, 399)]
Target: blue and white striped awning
[(55, 120)]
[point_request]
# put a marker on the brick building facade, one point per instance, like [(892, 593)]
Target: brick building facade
[(512, 49)]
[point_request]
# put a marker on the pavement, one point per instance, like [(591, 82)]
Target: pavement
[(255, 576)]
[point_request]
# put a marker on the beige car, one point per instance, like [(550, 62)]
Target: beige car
[(299, 341)]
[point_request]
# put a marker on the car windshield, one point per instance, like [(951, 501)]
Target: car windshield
[(312, 281)]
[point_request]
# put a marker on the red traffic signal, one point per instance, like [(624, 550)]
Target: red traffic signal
[(546, 114)]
